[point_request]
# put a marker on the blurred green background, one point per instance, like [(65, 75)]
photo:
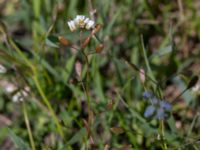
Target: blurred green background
[(45, 104)]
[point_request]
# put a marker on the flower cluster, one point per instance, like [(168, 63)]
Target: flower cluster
[(81, 22), (158, 109), (15, 94)]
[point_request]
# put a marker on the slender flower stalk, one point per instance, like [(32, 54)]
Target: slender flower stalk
[(28, 127)]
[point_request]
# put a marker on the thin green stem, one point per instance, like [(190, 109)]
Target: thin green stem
[(46, 101), (87, 79), (86, 88), (163, 134), (34, 71), (28, 127), (97, 38)]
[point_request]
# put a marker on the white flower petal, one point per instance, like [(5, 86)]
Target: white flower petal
[(90, 24), (79, 21), (19, 96), (86, 20), (71, 25)]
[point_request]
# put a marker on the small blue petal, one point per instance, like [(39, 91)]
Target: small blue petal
[(154, 100), (147, 94), (165, 105), (149, 111), (160, 113)]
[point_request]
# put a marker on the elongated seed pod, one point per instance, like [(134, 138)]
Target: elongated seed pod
[(63, 41)]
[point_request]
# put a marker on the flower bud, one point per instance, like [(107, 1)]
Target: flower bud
[(99, 48)]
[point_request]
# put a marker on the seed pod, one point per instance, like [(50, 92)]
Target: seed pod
[(63, 41), (86, 42), (99, 48), (96, 29)]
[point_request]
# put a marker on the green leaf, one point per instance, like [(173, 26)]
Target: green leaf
[(194, 121), (68, 68), (182, 86), (47, 66), (150, 72), (113, 20), (78, 137), (172, 126), (19, 143), (3, 132), (162, 51), (52, 41), (36, 8)]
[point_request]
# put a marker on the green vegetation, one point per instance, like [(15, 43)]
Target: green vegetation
[(129, 83)]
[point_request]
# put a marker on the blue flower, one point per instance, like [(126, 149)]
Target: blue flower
[(165, 105), (159, 109), (150, 110), (147, 95), (154, 100), (160, 114)]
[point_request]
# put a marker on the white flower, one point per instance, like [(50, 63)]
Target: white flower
[(86, 20), (2, 69), (13, 92), (71, 25), (20, 95), (81, 22), (9, 87), (90, 24)]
